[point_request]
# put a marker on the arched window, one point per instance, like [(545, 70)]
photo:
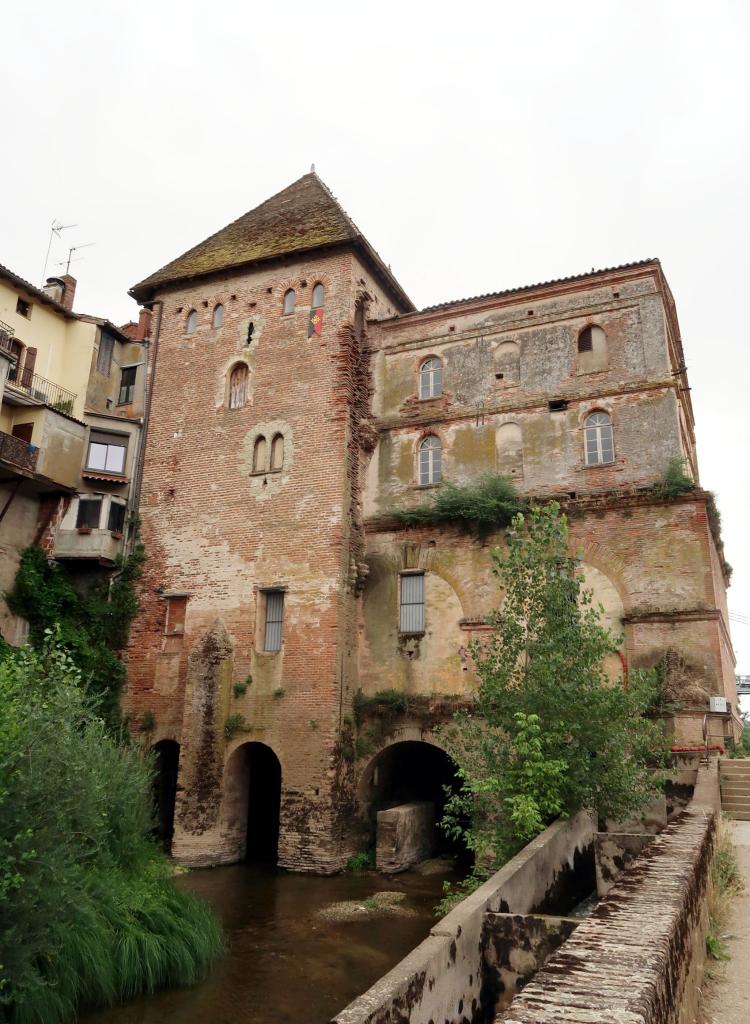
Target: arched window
[(430, 451), (218, 317), (592, 349), (289, 301), (192, 322), (431, 378), (600, 445), (238, 386), (260, 455), (318, 296), (277, 453)]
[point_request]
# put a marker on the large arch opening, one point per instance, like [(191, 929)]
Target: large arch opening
[(411, 771), (253, 800), (166, 767)]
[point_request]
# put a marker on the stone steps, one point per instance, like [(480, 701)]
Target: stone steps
[(734, 775)]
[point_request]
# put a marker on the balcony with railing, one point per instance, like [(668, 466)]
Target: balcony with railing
[(14, 451), (39, 391)]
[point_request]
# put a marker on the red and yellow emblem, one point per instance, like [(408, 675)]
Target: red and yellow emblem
[(315, 325)]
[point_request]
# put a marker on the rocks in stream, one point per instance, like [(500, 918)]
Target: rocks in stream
[(380, 904)]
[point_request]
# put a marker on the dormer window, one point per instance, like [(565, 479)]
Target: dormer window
[(290, 300)]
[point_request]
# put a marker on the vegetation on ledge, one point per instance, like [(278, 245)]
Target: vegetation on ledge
[(89, 911), (487, 504), (92, 627)]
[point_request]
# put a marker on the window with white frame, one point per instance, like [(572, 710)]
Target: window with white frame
[(431, 378), (598, 439), (274, 620), (106, 452), (430, 456), (411, 613)]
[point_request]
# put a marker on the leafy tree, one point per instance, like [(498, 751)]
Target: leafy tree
[(550, 734), (89, 911)]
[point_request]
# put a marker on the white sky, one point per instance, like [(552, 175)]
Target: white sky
[(478, 145)]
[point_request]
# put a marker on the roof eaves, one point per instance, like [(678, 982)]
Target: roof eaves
[(38, 294), (635, 265)]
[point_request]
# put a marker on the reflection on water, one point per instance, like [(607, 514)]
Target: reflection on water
[(283, 964)]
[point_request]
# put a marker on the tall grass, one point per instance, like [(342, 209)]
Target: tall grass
[(89, 912), (726, 883)]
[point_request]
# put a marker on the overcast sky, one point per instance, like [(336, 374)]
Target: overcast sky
[(478, 146)]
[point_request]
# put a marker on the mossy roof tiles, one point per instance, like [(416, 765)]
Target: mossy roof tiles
[(303, 217)]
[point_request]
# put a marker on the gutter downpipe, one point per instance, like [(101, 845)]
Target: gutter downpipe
[(150, 378)]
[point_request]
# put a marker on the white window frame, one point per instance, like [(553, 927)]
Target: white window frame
[(430, 378), (118, 442), (430, 461), (598, 439)]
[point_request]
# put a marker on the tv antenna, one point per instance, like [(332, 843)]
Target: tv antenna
[(71, 250), (56, 229)]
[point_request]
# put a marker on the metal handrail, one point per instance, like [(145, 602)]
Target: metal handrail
[(45, 391)]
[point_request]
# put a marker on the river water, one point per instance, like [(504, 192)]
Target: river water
[(283, 963)]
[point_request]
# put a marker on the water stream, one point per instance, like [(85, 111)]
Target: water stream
[(283, 963)]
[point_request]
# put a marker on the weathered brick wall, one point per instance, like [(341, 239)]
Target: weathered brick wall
[(217, 531)]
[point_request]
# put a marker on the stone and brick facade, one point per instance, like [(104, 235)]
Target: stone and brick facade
[(276, 452)]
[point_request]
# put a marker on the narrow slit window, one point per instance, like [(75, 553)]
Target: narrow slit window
[(431, 378), (274, 620), (238, 386), (411, 619), (290, 300), (599, 439), (218, 317), (192, 322), (430, 458)]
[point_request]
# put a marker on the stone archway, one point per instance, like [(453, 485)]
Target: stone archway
[(166, 766), (252, 803), (408, 772)]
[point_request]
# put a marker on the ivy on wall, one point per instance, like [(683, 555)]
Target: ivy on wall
[(92, 626)]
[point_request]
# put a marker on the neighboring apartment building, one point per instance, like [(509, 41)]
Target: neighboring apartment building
[(299, 397), (70, 425)]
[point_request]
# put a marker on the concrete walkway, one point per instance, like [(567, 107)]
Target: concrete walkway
[(728, 997)]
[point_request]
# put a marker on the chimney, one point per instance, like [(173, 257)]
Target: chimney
[(144, 324), (61, 289)]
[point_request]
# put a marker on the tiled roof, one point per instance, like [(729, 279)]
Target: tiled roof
[(37, 293), (541, 284), (305, 216)]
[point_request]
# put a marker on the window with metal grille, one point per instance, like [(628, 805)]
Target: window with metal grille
[(411, 618), (116, 520), (430, 457), (318, 296), (127, 385), (599, 439), (274, 620), (289, 301), (104, 355), (431, 378), (106, 452), (89, 513)]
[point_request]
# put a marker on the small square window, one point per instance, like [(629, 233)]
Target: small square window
[(23, 308)]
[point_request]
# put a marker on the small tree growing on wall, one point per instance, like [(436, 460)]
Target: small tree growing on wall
[(550, 734)]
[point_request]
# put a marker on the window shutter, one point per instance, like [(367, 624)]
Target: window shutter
[(412, 603), (274, 620)]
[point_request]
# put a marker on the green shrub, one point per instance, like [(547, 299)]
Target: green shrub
[(239, 689), (236, 723), (93, 627), (484, 505), (89, 912), (278, 692), (362, 861), (675, 480)]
